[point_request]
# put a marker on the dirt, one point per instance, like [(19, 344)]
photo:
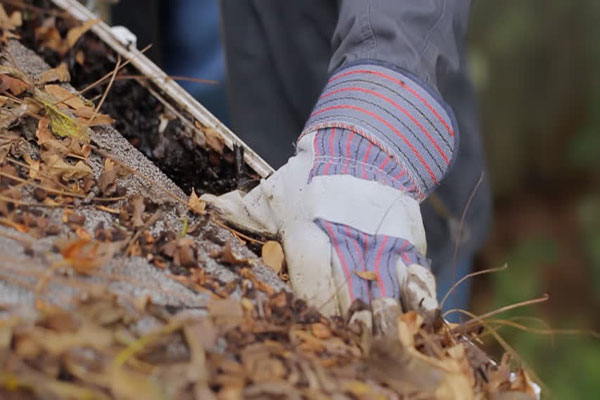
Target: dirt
[(138, 115)]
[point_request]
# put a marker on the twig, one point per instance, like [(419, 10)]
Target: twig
[(170, 77), (47, 189), (471, 275), (542, 299), (155, 217), (110, 83)]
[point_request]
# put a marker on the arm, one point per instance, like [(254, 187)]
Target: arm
[(378, 141), (387, 55)]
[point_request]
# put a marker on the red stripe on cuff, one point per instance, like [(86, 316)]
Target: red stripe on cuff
[(399, 107), (390, 126), (402, 84)]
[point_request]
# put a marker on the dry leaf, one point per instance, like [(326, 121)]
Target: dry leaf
[(10, 23), (80, 57), (138, 211), (408, 326), (34, 169), (272, 255), (321, 331), (60, 74), (42, 132), (197, 205), (58, 167), (49, 37), (65, 96), (62, 122), (85, 255), (229, 257), (213, 139), (13, 85), (107, 182), (84, 115), (75, 33), (19, 227), (367, 275)]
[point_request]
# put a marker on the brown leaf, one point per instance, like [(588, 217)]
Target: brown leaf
[(408, 326), (107, 182), (65, 96), (84, 115), (138, 211), (272, 254), (367, 275), (185, 256), (80, 57), (60, 74), (84, 255), (19, 227), (75, 33), (49, 37), (228, 256), (34, 169), (213, 139), (42, 132), (57, 167), (10, 23), (197, 205), (12, 85), (226, 312), (321, 331)]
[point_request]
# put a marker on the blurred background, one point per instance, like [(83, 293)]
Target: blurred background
[(535, 64)]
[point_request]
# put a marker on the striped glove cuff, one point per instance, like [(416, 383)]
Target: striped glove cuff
[(408, 122)]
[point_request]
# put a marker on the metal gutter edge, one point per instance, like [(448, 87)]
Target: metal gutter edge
[(169, 86)]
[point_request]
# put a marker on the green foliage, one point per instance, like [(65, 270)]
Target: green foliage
[(521, 281), (589, 219)]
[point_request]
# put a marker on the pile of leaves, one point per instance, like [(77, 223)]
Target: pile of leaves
[(277, 348), (249, 340)]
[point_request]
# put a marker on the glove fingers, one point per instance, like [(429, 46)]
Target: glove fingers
[(418, 288), (247, 211), (385, 316), (309, 258)]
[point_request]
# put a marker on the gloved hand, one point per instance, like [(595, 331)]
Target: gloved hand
[(346, 207)]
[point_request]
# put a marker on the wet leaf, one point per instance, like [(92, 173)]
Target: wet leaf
[(272, 254)]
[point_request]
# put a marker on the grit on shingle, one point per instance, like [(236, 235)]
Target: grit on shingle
[(128, 277)]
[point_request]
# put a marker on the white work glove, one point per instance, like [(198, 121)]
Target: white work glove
[(327, 223), (346, 206)]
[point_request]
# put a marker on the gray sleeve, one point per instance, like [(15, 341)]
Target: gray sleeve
[(387, 55), (421, 37)]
